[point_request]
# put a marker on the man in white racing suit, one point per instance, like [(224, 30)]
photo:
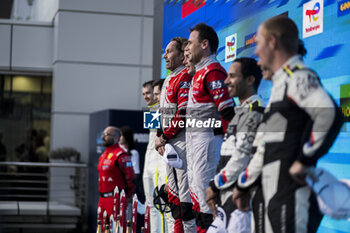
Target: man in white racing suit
[(154, 165), (301, 122), (243, 79)]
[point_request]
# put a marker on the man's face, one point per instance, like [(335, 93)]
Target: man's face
[(148, 94), (263, 49), (156, 93), (189, 66), (108, 138), (172, 56), (194, 48), (236, 84)]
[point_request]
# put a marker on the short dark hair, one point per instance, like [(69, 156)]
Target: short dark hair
[(207, 32), (148, 83), (159, 83), (179, 43), (184, 45), (249, 66)]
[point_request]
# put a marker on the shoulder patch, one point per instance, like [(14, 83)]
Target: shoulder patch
[(128, 164), (217, 84), (218, 96), (184, 85), (110, 155), (255, 106), (306, 82), (125, 159)]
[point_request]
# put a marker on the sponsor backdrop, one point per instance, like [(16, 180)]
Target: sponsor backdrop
[(324, 26)]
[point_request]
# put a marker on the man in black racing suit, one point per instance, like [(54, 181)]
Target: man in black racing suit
[(301, 122)]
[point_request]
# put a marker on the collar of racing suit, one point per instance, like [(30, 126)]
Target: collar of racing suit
[(111, 148), (293, 61), (207, 61), (153, 107), (177, 70), (250, 100), (247, 102)]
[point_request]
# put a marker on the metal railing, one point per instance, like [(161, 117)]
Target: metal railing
[(45, 184), (35, 177)]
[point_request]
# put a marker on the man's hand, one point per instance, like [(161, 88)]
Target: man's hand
[(298, 172), (161, 150), (213, 199), (241, 198), (159, 145), (166, 188)]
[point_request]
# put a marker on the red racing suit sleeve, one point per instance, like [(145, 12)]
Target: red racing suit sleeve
[(218, 91), (182, 89), (125, 165)]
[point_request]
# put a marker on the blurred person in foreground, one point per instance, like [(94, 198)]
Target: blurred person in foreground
[(301, 122)]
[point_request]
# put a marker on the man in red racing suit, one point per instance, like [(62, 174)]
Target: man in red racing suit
[(208, 103), (115, 169), (173, 102)]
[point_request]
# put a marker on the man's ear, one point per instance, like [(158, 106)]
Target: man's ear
[(205, 44), (272, 42), (250, 80)]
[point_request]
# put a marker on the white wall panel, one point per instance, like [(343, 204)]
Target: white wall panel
[(146, 75), (44, 10), (90, 88), (67, 130), (147, 41), (98, 38), (55, 39), (5, 45), (148, 8), (103, 6), (71, 130), (32, 47)]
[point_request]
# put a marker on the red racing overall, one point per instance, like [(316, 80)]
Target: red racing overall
[(115, 169), (173, 103), (208, 101)]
